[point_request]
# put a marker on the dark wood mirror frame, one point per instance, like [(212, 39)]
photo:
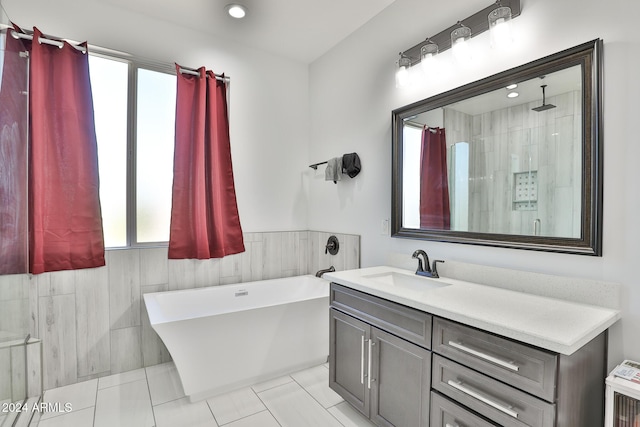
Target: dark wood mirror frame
[(589, 57)]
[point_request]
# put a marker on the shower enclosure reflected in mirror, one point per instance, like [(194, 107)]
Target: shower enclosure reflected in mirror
[(512, 160)]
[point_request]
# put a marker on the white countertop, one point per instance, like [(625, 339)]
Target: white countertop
[(557, 325)]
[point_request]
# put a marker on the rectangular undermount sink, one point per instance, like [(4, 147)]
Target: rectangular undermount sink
[(405, 281)]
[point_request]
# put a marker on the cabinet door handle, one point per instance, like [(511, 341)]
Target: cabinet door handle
[(362, 360), (477, 395), (369, 380), (503, 363), (451, 425)]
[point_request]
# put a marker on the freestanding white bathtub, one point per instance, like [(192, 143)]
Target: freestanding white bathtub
[(226, 337)]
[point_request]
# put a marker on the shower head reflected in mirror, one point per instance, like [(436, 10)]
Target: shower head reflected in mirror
[(544, 105)]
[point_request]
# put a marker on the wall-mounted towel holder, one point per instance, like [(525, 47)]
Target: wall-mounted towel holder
[(350, 164), (315, 165)]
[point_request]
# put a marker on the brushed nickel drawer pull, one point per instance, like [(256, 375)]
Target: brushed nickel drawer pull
[(460, 387), (369, 380), (362, 360), (503, 363)]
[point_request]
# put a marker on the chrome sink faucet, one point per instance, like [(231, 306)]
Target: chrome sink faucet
[(425, 269)]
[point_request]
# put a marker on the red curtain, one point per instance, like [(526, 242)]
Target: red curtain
[(434, 185), (204, 216), (65, 218)]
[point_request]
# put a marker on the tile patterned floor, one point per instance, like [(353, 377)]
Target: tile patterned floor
[(153, 397)]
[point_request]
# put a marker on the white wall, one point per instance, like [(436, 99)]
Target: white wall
[(352, 93), (269, 148)]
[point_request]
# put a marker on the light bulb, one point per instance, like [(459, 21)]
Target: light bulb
[(500, 27), (236, 11), (402, 74), (461, 50), (402, 77), (428, 56), (460, 44)]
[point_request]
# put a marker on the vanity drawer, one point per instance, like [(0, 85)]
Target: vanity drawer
[(405, 322), (527, 368), (498, 402), (445, 413)]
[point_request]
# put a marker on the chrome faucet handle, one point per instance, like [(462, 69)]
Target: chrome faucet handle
[(434, 269)]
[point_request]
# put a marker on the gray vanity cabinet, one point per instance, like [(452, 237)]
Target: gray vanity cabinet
[(348, 358), (406, 368), (383, 375)]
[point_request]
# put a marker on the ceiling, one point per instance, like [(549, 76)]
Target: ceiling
[(558, 82), (302, 30)]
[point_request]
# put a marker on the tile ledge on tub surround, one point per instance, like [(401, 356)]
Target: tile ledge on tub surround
[(585, 291)]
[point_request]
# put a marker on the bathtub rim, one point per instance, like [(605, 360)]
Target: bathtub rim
[(154, 309)]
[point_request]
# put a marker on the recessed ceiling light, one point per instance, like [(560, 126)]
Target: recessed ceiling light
[(237, 11), (513, 86), (512, 94)]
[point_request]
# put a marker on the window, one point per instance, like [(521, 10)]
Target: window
[(154, 154), (134, 109)]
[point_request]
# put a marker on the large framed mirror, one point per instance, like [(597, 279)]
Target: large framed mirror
[(513, 160)]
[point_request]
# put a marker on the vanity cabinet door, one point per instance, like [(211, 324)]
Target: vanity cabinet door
[(348, 359), (400, 381)]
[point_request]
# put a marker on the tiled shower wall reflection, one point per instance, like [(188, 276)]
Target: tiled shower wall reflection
[(93, 322), (509, 141)]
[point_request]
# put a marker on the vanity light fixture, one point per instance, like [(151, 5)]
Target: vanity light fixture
[(500, 26), (428, 51), (460, 43), (458, 36), (235, 10), (402, 73)]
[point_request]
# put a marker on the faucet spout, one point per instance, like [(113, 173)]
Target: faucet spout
[(422, 267), (326, 270)]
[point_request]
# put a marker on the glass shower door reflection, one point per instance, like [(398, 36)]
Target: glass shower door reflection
[(14, 283)]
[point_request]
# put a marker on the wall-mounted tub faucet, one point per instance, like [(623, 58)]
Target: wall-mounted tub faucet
[(424, 269), (326, 270)]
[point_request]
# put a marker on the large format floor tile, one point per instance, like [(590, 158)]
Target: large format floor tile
[(78, 396), (164, 383), (123, 378), (153, 397), (316, 382), (261, 419), (76, 418), (126, 405), (271, 383), (348, 416), (235, 405), (294, 407), (182, 413)]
